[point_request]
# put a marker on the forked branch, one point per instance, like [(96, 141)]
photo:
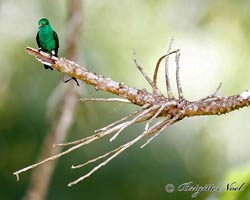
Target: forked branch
[(151, 106)]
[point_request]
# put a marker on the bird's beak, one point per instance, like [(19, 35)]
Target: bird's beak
[(39, 25)]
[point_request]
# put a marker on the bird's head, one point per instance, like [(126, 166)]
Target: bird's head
[(43, 22)]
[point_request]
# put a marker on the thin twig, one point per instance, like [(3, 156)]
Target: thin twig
[(169, 90), (157, 67), (164, 106), (84, 142), (177, 58), (123, 119), (100, 131), (154, 87), (137, 118), (168, 123), (47, 160), (105, 100), (122, 148), (217, 90), (77, 141), (95, 159), (214, 95), (118, 151)]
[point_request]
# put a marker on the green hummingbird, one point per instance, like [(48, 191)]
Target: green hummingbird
[(47, 41)]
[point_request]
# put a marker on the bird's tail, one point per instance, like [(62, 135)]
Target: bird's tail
[(48, 67)]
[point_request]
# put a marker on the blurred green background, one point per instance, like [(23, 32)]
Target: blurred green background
[(214, 38)]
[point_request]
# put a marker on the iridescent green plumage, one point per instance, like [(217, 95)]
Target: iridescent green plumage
[(47, 39)]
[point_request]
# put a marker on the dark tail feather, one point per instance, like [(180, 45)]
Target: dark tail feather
[(48, 67)]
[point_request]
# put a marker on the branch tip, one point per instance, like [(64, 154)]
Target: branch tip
[(157, 67), (168, 86), (151, 83), (217, 89), (178, 82), (17, 176)]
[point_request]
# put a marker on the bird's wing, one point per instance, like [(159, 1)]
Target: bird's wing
[(37, 40), (56, 39)]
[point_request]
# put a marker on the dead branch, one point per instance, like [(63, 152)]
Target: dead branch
[(152, 106), (168, 86), (105, 100), (178, 83), (151, 83), (157, 68)]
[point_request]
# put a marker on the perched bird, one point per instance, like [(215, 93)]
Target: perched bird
[(47, 41)]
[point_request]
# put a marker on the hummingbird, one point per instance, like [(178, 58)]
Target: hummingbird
[(47, 41)]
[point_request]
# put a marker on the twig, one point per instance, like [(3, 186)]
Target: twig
[(214, 95), (217, 90), (140, 116), (177, 58), (47, 160), (77, 141), (123, 119), (95, 159), (100, 131), (157, 113), (169, 90), (121, 149), (105, 100), (157, 67), (154, 87), (117, 151), (168, 123), (83, 142)]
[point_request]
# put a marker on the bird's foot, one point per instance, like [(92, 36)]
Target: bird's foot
[(72, 78), (77, 83)]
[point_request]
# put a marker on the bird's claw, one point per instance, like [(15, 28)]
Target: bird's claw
[(72, 78)]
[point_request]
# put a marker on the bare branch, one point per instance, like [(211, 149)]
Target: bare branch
[(158, 64), (95, 159), (117, 151), (123, 119), (164, 106), (217, 90), (47, 160), (214, 95), (121, 149), (177, 58), (167, 123), (151, 106), (105, 100), (137, 118), (154, 87), (136, 96), (169, 90)]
